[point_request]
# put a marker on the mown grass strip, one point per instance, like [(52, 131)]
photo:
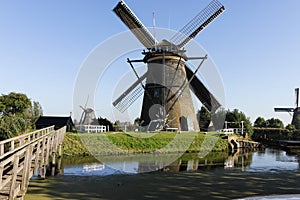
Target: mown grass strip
[(81, 144)]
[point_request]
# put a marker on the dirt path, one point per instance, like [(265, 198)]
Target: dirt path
[(166, 185)]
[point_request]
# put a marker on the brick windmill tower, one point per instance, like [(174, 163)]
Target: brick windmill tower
[(169, 81)]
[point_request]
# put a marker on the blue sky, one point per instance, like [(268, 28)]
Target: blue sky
[(255, 45)]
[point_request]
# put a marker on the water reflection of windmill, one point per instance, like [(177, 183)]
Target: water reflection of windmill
[(87, 116), (167, 83), (295, 111)]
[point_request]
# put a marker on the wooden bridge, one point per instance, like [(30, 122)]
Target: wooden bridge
[(235, 143), (25, 155)]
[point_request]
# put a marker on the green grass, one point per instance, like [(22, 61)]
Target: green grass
[(72, 145), (124, 143), (140, 144)]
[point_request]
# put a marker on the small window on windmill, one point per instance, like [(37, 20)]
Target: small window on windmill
[(156, 93)]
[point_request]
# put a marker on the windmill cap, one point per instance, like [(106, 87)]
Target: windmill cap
[(166, 47)]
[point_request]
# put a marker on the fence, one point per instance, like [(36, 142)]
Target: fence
[(91, 128)]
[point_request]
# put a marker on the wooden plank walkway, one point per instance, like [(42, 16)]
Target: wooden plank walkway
[(23, 156)]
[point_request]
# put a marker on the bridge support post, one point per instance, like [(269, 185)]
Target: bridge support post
[(37, 154), (60, 150), (47, 154), (53, 162), (58, 166), (232, 140), (14, 177), (42, 170), (26, 170)]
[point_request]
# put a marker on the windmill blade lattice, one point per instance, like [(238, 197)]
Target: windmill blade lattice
[(198, 23), (134, 24), (290, 110), (131, 94)]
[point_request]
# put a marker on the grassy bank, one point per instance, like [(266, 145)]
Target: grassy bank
[(120, 143), (72, 145)]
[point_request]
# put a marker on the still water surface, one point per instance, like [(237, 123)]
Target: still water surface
[(268, 160)]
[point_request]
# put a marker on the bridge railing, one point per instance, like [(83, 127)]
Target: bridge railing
[(16, 143), (23, 156)]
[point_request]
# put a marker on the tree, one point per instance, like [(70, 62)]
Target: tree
[(260, 122), (218, 118), (290, 127), (204, 118), (37, 109), (17, 114), (237, 117), (117, 126), (15, 104), (274, 123), (11, 126), (33, 113), (233, 116), (2, 105)]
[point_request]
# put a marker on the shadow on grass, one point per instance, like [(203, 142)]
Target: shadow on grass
[(166, 185)]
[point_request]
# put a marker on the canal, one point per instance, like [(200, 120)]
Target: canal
[(267, 160), (217, 175)]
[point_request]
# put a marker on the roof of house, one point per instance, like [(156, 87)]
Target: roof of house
[(54, 120)]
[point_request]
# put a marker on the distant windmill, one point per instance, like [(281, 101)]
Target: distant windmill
[(87, 116), (168, 81), (295, 111)]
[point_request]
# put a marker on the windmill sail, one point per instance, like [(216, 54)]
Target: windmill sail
[(202, 93), (134, 24), (284, 109), (130, 95), (82, 116), (160, 104), (198, 23), (290, 110), (295, 111)]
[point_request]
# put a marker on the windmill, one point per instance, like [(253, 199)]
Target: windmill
[(87, 116), (166, 85), (295, 111)]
